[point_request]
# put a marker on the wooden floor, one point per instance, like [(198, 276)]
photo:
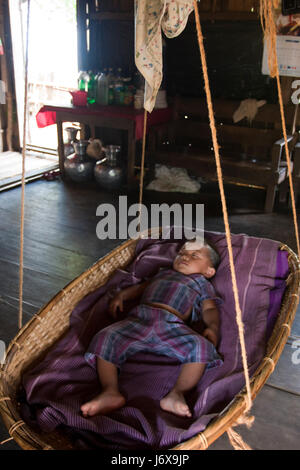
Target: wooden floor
[(61, 242)]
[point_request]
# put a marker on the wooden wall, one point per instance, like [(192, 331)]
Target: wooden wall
[(234, 53), (233, 40)]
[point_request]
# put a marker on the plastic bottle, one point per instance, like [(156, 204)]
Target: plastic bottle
[(110, 76), (111, 86), (111, 95), (97, 75), (82, 79), (91, 88), (102, 89), (119, 88)]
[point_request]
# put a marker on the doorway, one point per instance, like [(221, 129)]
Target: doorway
[(52, 68)]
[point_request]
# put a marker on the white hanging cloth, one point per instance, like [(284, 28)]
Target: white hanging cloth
[(151, 17)]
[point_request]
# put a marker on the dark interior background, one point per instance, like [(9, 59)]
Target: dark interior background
[(234, 52)]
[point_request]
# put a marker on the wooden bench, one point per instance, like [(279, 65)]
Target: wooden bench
[(251, 155)]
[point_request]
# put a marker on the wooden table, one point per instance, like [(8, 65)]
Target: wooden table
[(113, 117)]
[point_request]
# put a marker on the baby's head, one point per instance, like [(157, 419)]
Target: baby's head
[(197, 258)]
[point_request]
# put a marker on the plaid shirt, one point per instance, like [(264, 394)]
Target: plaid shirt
[(180, 291)]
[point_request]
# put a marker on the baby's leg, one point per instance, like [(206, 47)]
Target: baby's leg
[(188, 378), (110, 398)]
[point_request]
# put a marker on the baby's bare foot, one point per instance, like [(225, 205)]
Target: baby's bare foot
[(175, 403), (104, 403)]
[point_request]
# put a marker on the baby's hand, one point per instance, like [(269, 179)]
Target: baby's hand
[(116, 303), (211, 335)]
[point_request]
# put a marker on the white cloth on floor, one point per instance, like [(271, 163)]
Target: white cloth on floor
[(247, 109), (152, 16), (173, 180)]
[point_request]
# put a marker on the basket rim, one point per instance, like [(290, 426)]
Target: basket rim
[(28, 439)]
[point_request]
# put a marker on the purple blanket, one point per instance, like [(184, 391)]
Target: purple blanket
[(56, 387)]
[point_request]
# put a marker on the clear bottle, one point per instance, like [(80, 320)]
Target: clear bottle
[(97, 75), (91, 88), (110, 76), (82, 80), (111, 86), (102, 89), (111, 95), (119, 88)]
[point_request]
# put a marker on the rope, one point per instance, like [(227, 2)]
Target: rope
[(23, 174), (12, 429), (142, 170), (271, 361), (269, 28), (235, 439), (285, 325), (6, 440), (5, 399), (203, 440), (224, 208)]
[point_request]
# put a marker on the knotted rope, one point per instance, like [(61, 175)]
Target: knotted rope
[(142, 170), (23, 172)]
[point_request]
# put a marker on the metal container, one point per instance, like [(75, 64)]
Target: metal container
[(108, 173), (79, 166), (68, 146)]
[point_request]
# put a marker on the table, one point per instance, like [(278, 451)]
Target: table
[(114, 117)]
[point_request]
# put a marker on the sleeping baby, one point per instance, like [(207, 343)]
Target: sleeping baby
[(171, 301)]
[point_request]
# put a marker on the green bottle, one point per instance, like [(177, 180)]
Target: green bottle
[(91, 88), (82, 78)]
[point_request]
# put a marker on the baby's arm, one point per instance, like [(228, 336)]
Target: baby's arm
[(210, 315), (129, 293)]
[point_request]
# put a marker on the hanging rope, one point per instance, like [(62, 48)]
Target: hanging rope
[(236, 442), (23, 173), (224, 207), (270, 35), (142, 169)]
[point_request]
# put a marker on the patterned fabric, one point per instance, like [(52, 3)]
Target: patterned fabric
[(180, 292), (150, 17), (155, 331)]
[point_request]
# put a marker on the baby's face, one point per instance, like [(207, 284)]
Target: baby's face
[(194, 262)]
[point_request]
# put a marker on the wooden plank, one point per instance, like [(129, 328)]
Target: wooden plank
[(9, 310), (45, 286), (11, 164), (224, 109), (192, 161), (245, 136), (296, 325), (286, 375), (226, 16), (112, 16), (276, 425), (42, 230), (61, 262)]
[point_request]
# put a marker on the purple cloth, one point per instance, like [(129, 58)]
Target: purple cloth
[(57, 386), (276, 294)]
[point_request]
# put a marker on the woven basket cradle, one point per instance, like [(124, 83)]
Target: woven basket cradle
[(52, 321)]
